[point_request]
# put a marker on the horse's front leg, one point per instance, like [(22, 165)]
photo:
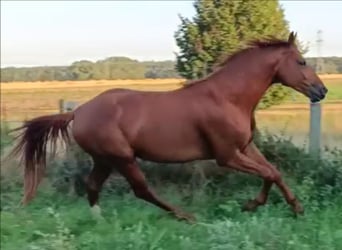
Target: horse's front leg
[(244, 163), (261, 199)]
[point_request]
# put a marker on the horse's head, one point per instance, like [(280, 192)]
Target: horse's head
[(293, 71)]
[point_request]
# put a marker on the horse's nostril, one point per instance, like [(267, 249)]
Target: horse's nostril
[(324, 90)]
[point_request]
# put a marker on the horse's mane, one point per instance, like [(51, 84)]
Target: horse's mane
[(266, 42), (257, 43)]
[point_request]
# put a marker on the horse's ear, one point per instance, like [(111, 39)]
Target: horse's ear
[(292, 37)]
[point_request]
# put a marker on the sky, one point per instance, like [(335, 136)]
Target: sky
[(60, 32)]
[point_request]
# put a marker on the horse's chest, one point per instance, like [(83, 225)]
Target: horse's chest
[(237, 131), (229, 133)]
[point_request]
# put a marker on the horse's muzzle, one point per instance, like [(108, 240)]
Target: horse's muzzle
[(317, 92)]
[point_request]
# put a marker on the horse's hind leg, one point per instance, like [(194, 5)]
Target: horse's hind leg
[(136, 179), (97, 177)]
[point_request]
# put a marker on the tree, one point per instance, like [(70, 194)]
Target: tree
[(82, 70), (219, 28)]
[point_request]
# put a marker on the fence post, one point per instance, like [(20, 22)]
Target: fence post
[(66, 106), (4, 112), (315, 129), (61, 106)]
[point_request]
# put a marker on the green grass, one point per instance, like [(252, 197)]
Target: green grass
[(58, 219), (60, 223), (335, 91)]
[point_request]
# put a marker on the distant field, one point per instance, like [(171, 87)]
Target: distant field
[(24, 100), (295, 123), (333, 83), (144, 83)]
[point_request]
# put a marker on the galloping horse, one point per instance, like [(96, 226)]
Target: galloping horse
[(210, 119)]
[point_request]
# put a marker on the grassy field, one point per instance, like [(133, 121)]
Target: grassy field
[(55, 222), (58, 219)]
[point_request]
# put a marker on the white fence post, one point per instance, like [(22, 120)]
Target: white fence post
[(315, 129), (66, 106)]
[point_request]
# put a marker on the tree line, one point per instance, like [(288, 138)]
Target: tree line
[(111, 68), (328, 65), (122, 68)]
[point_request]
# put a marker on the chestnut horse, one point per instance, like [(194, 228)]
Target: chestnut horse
[(210, 119)]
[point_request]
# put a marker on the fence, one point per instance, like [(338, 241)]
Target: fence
[(315, 129)]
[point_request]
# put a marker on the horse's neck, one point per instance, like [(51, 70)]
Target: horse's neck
[(244, 84)]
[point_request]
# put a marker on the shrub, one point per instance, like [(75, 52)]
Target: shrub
[(6, 139)]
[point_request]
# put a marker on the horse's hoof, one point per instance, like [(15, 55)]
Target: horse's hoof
[(298, 209), (250, 206), (96, 213), (185, 216)]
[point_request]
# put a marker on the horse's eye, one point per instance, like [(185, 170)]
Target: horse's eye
[(302, 62)]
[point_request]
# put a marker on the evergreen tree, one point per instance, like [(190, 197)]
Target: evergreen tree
[(219, 28)]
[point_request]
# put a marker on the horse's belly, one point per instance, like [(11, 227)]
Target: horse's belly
[(172, 148), (172, 156)]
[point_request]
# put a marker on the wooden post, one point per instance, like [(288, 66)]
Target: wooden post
[(69, 106), (61, 106), (4, 112), (315, 129), (66, 106)]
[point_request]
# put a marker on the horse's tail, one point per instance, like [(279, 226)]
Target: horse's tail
[(32, 147)]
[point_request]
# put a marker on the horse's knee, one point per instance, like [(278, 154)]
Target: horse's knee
[(276, 176), (273, 176)]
